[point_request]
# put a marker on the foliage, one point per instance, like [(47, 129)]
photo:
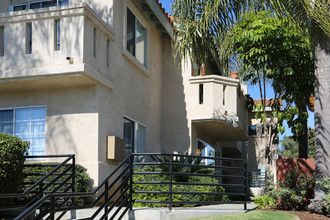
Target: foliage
[(254, 214), (280, 51), (293, 190), (82, 179), (270, 185), (263, 201), (325, 185), (176, 188), (12, 159), (290, 148)]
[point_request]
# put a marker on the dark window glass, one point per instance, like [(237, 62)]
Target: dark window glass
[(49, 3), (253, 130), (2, 41), (35, 5), (63, 2), (201, 93), (130, 32), (19, 8), (129, 135)]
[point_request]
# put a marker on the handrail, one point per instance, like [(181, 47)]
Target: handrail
[(52, 209), (39, 188), (15, 195), (186, 155), (122, 179), (173, 166)]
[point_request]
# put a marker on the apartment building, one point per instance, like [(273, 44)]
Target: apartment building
[(75, 72)]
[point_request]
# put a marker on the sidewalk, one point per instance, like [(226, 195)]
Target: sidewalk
[(186, 213)]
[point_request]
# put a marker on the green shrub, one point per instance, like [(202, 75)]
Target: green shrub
[(82, 179), (325, 185), (12, 150), (264, 201), (292, 192), (176, 188)]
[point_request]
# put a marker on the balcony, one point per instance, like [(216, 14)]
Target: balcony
[(38, 53), (218, 107)]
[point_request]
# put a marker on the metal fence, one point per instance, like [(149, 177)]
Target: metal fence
[(58, 177), (257, 179), (155, 179)]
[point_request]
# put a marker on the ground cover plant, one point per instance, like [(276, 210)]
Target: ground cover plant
[(253, 215), (325, 185), (293, 191)]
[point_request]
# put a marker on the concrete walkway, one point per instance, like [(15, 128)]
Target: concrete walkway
[(186, 213), (175, 214)]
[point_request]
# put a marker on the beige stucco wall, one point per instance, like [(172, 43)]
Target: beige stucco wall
[(43, 53), (80, 118), (83, 110), (175, 123), (71, 125)]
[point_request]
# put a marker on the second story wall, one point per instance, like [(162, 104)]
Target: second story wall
[(30, 39)]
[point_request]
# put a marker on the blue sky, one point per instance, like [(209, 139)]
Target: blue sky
[(252, 90)]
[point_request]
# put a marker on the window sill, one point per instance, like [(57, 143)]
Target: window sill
[(137, 63)]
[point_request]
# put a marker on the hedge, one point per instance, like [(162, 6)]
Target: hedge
[(12, 150)]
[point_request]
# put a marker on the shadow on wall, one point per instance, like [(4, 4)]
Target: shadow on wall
[(285, 165), (60, 139), (175, 134)]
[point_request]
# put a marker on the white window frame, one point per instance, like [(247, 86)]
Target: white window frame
[(57, 34), (25, 107), (136, 124), (27, 4), (2, 40), (126, 53)]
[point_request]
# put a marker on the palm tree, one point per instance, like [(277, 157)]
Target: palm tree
[(202, 24)]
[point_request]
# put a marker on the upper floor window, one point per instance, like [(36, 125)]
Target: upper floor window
[(37, 4), (2, 41), (28, 38), (57, 35), (136, 38)]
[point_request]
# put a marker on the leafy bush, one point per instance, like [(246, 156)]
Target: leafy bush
[(292, 192), (12, 150), (325, 185), (264, 201), (176, 188), (82, 179)]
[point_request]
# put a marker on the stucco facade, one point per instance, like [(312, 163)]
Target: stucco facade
[(93, 83)]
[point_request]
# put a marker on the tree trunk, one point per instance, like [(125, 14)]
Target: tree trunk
[(303, 138), (322, 110)]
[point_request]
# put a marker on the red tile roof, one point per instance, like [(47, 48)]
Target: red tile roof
[(168, 17), (269, 102)]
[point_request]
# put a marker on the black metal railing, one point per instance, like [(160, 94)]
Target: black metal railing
[(183, 180), (257, 179), (59, 177), (114, 191), (210, 184)]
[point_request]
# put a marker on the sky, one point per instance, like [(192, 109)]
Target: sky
[(253, 90)]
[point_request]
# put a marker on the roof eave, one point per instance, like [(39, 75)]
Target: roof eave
[(160, 16)]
